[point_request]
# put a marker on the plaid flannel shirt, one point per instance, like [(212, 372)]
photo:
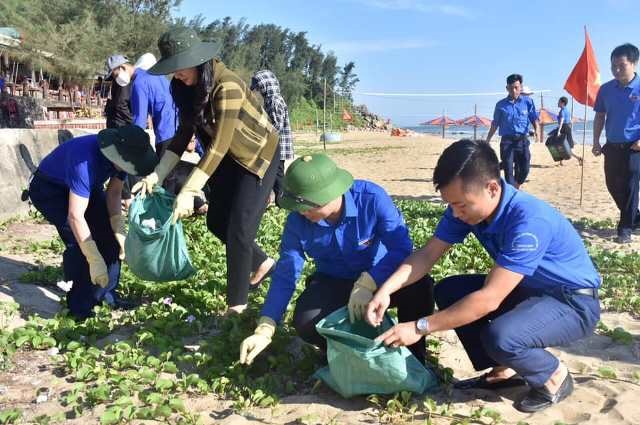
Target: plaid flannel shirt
[(235, 123), (267, 83)]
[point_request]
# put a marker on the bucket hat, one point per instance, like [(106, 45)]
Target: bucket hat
[(129, 148), (182, 48)]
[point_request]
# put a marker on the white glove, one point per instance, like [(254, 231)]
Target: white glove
[(117, 225), (167, 163), (256, 343), (97, 266), (361, 295), (183, 205)]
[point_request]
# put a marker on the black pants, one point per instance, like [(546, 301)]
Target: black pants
[(566, 132), (52, 200), (177, 178), (516, 159), (527, 321), (325, 294), (239, 200), (278, 185), (622, 175)]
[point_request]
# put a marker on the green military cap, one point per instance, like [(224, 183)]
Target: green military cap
[(313, 181), (181, 48), (129, 148)]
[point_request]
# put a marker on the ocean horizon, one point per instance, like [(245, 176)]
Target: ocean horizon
[(462, 131)]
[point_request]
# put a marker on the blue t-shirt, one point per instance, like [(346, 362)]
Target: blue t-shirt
[(150, 95), (529, 237), (513, 116), (565, 115), (622, 106), (371, 236), (79, 165)]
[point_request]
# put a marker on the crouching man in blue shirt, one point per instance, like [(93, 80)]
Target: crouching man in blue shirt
[(68, 189), (356, 237), (541, 292)]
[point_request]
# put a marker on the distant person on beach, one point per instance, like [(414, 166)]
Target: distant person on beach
[(512, 116), (542, 290), (617, 110), (267, 84), (564, 125)]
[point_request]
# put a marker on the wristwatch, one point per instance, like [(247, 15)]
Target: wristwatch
[(422, 325)]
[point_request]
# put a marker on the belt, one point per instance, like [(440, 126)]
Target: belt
[(516, 137), (590, 292), (620, 146)]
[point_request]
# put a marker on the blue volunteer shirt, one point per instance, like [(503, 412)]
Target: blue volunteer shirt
[(513, 116), (150, 96), (371, 236), (529, 237), (622, 106), (79, 165), (565, 115)]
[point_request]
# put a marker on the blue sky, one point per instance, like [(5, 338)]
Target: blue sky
[(423, 46)]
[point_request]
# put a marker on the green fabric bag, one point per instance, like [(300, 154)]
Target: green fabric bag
[(159, 253), (360, 365)]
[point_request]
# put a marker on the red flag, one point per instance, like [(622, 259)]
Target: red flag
[(346, 116), (584, 81)]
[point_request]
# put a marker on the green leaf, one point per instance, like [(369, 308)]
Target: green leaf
[(176, 404), (607, 372), (73, 346), (111, 416), (10, 416), (163, 384), (155, 398), (163, 411), (170, 367)]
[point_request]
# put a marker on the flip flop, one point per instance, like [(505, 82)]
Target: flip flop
[(480, 382), (253, 287)]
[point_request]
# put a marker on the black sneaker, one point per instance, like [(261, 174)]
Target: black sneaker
[(624, 237), (538, 399)]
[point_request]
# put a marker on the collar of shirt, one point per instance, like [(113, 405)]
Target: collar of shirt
[(634, 83), (496, 225), (350, 210)]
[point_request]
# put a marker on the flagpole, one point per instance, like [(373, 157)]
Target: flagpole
[(475, 125), (584, 126)]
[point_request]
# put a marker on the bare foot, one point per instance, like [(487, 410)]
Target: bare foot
[(203, 209), (235, 309), (264, 268), (553, 384), (500, 373)]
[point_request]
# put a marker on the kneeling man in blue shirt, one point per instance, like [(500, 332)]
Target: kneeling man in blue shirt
[(541, 292), (356, 237)]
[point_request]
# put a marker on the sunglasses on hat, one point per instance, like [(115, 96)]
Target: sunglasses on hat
[(300, 200)]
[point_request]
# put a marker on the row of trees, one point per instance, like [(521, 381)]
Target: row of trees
[(72, 38)]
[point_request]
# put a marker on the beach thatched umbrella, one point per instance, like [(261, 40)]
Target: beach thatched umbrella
[(475, 121), (547, 117), (443, 121)]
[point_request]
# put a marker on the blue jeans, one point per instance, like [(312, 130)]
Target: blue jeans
[(527, 321), (516, 159), (52, 200)]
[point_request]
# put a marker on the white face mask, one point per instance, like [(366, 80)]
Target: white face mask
[(123, 78)]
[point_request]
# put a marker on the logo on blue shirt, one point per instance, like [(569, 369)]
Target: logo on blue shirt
[(525, 242)]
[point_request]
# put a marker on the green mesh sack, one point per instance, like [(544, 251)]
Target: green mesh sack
[(155, 249), (357, 364)]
